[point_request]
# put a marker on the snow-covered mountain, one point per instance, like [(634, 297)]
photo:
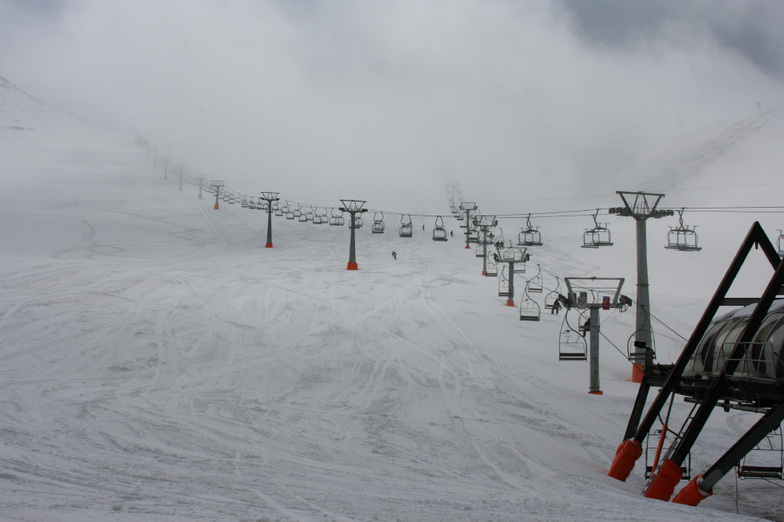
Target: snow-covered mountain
[(157, 362)]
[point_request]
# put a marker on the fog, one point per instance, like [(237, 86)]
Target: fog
[(517, 103)]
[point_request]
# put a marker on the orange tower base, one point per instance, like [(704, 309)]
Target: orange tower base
[(353, 266), (637, 373), (269, 245)]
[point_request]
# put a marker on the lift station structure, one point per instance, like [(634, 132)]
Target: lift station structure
[(353, 207), (735, 360), (641, 206)]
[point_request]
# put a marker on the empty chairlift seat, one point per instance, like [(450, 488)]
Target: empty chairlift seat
[(683, 237), (598, 236), (529, 236), (529, 309), (378, 223), (336, 218), (406, 228), (571, 342), (439, 232)]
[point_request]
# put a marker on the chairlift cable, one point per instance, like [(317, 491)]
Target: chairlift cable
[(668, 327)]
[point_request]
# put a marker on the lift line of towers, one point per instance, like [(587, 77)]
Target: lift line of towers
[(748, 376)]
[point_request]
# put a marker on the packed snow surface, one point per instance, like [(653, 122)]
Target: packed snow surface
[(157, 362)]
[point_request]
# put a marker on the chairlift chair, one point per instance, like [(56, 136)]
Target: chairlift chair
[(766, 460), (251, 203), (552, 296), (492, 267), (278, 210), (244, 202), (571, 343), (439, 232), (290, 212), (473, 236), (406, 228), (598, 236), (529, 236), (303, 217), (536, 283), (335, 219), (529, 309), (481, 250), (378, 223), (357, 223), (780, 243), (503, 282), (682, 237), (318, 218)]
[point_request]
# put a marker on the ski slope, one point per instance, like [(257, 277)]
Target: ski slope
[(158, 363)]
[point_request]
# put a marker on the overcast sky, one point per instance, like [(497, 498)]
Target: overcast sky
[(385, 100)]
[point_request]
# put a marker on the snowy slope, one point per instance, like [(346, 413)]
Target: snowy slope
[(159, 363)]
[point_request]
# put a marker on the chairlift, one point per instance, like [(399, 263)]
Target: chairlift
[(251, 203), (529, 309), (492, 267), (406, 228), (536, 283), (682, 237), (598, 236), (481, 250), (571, 343), (278, 209), (552, 297), (529, 236), (473, 236), (290, 212), (780, 243), (766, 460), (335, 218), (244, 202), (439, 232), (503, 281), (319, 218), (303, 217), (378, 223), (357, 223)]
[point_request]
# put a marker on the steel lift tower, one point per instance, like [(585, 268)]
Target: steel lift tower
[(468, 207), (217, 184), (353, 207), (485, 223), (269, 197), (641, 206)]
